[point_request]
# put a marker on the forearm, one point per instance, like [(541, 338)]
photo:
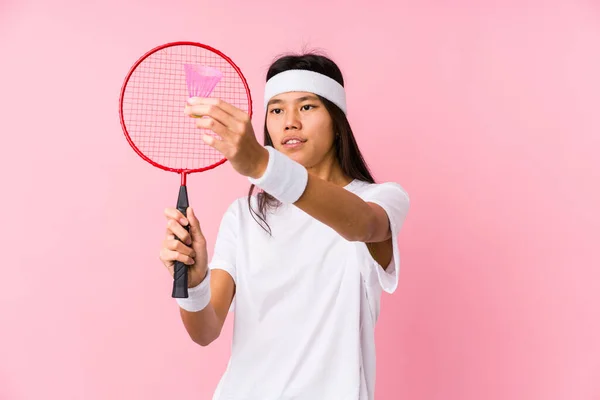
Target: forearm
[(346, 213), (204, 319), (340, 209), (203, 326)]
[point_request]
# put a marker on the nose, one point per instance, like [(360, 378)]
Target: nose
[(292, 121)]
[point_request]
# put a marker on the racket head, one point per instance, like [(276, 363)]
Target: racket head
[(152, 101)]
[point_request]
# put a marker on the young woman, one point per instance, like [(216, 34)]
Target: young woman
[(305, 261)]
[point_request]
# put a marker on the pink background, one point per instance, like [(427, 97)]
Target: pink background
[(487, 112)]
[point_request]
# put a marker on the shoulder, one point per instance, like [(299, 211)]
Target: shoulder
[(384, 190), (240, 207), (233, 215), (236, 206), (390, 196)]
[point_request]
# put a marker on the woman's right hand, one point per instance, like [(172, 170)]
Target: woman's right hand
[(190, 249)]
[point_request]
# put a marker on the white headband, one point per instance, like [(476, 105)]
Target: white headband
[(299, 80)]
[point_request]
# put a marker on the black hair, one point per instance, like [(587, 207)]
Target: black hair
[(346, 148)]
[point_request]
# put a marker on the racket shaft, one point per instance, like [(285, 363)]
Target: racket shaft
[(180, 277)]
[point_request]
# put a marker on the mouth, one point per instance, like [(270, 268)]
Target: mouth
[(293, 142)]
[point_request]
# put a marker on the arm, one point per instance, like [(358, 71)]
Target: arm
[(343, 211), (350, 216), (346, 213), (205, 326)]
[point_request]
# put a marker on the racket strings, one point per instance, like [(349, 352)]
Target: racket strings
[(154, 100)]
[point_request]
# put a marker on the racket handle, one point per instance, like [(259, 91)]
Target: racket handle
[(180, 277)]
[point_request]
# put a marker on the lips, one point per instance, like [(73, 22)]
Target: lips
[(292, 140)]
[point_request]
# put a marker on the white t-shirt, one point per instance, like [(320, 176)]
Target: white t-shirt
[(306, 302)]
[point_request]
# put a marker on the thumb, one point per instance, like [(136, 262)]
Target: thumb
[(194, 223)]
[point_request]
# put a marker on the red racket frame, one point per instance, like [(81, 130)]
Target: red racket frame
[(182, 171)]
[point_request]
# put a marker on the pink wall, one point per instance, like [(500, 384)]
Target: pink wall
[(487, 114)]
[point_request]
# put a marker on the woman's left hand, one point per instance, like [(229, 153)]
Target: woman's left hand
[(238, 145)]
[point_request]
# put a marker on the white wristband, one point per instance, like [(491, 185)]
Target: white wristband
[(198, 296), (284, 178)]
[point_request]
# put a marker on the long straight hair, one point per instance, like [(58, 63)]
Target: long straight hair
[(346, 148)]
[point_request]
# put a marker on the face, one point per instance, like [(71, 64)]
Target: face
[(300, 127)]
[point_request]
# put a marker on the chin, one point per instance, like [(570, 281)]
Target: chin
[(296, 156), (300, 157)]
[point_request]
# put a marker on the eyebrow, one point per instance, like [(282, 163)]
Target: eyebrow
[(298, 100)]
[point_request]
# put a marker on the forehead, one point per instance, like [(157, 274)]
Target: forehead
[(293, 97)]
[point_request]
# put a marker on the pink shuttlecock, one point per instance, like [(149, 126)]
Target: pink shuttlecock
[(201, 80)]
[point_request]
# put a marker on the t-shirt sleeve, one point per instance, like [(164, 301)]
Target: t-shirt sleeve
[(224, 254), (395, 201)]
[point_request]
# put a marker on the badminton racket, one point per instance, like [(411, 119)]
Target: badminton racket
[(151, 110)]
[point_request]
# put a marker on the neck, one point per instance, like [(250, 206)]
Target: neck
[(329, 170)]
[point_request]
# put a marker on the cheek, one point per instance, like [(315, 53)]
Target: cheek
[(321, 131), (272, 128)]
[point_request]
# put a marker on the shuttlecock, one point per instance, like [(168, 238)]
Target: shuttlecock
[(201, 80)]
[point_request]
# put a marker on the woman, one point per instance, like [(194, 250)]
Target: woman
[(307, 258)]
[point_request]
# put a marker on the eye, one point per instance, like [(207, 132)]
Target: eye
[(307, 107), (276, 111)]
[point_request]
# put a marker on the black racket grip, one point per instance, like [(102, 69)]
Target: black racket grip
[(180, 277)]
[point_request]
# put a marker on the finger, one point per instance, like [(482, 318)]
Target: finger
[(230, 109), (179, 231), (175, 214), (195, 229), (216, 144), (176, 245), (214, 112), (171, 231), (171, 255), (164, 255), (215, 126), (169, 235)]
